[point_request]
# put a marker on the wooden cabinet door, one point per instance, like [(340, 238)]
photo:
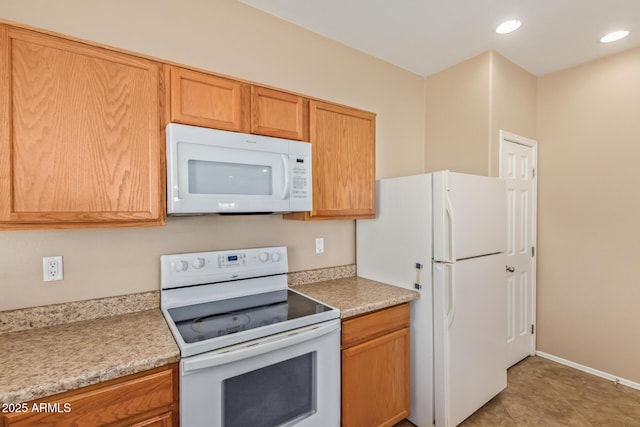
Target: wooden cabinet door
[(376, 368), (164, 420), (144, 399), (209, 101), (343, 151), (81, 141), (375, 381), (279, 114)]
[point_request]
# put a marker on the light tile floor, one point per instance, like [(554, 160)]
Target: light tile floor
[(547, 394)]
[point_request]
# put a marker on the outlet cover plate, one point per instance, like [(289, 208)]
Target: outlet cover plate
[(52, 268)]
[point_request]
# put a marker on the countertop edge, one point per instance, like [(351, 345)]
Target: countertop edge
[(112, 352), (357, 311), (52, 389), (355, 296)]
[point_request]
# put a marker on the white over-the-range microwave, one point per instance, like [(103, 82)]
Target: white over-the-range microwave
[(216, 171)]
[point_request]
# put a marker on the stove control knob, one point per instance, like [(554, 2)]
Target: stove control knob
[(264, 257), (182, 266), (198, 263), (276, 256)]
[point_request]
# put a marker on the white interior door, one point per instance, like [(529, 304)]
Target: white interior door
[(518, 158)]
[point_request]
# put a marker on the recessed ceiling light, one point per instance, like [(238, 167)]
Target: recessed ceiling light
[(508, 26), (614, 36)]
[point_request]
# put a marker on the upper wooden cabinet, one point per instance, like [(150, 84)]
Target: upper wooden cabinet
[(81, 142), (343, 151), (342, 138), (207, 100), (279, 114)]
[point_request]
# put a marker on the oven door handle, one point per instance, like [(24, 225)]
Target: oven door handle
[(259, 346)]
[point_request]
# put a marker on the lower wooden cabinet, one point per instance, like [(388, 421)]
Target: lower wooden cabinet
[(376, 368), (148, 398)]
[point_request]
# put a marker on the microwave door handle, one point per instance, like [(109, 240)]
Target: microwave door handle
[(285, 166)]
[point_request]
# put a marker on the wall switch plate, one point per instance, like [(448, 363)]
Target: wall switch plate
[(52, 268), (319, 245)]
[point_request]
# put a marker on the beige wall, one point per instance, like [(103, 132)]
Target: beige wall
[(589, 221), (513, 105), (457, 109), (588, 130), (228, 37), (586, 121), (467, 105)]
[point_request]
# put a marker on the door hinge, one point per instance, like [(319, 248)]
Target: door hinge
[(533, 172), (417, 284), (533, 329), (533, 251)]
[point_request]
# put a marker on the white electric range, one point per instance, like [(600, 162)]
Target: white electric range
[(253, 351)]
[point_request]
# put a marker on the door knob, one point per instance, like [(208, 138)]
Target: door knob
[(510, 269)]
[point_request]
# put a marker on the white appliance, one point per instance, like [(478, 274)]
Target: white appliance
[(445, 234), (216, 171), (253, 352)]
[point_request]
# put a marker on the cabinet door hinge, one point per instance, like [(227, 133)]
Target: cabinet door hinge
[(533, 329), (533, 251), (533, 172)]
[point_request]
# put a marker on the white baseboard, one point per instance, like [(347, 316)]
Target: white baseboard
[(589, 370)]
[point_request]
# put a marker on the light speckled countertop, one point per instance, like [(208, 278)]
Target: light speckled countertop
[(43, 361), (357, 295), (49, 358)]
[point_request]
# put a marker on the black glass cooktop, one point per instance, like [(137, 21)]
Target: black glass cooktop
[(208, 320)]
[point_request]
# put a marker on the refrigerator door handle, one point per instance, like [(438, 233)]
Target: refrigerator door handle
[(450, 229), (450, 294)]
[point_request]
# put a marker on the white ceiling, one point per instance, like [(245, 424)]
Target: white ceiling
[(426, 36)]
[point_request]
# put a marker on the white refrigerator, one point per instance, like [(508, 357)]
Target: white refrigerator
[(444, 234)]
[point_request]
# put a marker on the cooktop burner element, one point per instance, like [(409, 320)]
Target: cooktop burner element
[(215, 299)]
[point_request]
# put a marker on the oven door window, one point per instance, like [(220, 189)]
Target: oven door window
[(274, 395)]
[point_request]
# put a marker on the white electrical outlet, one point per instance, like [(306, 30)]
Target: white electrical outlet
[(319, 245), (52, 268)]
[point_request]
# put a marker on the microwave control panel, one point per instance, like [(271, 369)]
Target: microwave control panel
[(301, 178)]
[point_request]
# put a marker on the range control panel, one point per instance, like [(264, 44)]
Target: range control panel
[(219, 266)]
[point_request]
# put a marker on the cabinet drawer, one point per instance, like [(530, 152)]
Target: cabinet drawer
[(375, 324), (117, 402)]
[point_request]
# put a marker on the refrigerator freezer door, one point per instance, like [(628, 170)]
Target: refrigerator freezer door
[(469, 216), (387, 250), (469, 336)]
